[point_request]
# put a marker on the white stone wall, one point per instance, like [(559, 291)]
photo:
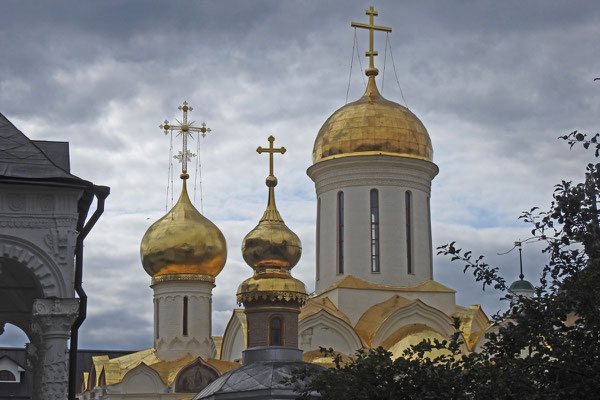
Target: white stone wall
[(356, 176), (171, 343)]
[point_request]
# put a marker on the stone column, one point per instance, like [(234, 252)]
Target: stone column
[(47, 353)]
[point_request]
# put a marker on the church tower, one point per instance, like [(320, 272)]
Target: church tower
[(272, 297), (183, 252), (372, 169)]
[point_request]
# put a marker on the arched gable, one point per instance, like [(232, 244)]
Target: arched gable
[(371, 320), (235, 338), (325, 330), (410, 335), (142, 379), (195, 376), (45, 269), (415, 313)]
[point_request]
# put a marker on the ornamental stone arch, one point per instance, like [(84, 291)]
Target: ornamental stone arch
[(418, 314), (325, 330), (235, 339), (141, 380), (195, 376), (36, 260)]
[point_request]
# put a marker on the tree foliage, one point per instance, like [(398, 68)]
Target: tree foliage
[(545, 347)]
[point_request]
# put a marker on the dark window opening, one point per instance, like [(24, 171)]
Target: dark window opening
[(375, 231), (7, 376), (157, 308), (340, 221), (275, 337), (408, 206), (185, 316), (318, 246)]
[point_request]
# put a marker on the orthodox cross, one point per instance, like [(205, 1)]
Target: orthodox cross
[(371, 53), (271, 150), (185, 129)]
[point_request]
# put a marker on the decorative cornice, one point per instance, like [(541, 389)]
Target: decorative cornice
[(272, 296), (182, 277), (372, 171)]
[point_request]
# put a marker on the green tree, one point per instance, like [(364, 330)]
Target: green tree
[(545, 347)]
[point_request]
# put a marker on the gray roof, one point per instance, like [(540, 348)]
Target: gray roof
[(521, 285), (257, 380), (21, 158)]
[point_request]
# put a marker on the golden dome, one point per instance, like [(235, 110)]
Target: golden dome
[(183, 242), (272, 250), (372, 125), (271, 244)]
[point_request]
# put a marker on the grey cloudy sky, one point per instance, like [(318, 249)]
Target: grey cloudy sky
[(495, 83)]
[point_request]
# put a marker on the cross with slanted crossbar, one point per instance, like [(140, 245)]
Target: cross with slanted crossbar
[(271, 150), (185, 129), (371, 53)]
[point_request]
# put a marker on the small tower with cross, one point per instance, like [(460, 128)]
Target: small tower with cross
[(272, 297), (183, 252)]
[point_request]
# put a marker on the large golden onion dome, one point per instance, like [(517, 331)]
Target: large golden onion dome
[(272, 250), (372, 125), (183, 242)]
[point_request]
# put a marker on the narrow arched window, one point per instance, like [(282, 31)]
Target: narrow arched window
[(275, 330), (7, 376), (374, 231), (430, 239), (157, 315), (318, 246), (185, 316), (340, 232), (409, 255)]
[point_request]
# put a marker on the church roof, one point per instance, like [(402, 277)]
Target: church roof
[(371, 320), (352, 282), (22, 158), (473, 323), (317, 357), (313, 306), (255, 380), (114, 370)]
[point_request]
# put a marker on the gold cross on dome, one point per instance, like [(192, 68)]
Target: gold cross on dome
[(185, 129), (271, 150), (371, 27)]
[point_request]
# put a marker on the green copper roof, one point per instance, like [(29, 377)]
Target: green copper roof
[(521, 285)]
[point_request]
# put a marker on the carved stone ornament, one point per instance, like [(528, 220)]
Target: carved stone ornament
[(16, 201), (54, 315), (46, 202), (51, 325)]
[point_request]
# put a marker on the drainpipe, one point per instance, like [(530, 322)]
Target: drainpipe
[(101, 193)]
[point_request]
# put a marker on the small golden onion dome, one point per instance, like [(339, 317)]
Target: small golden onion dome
[(372, 125), (271, 244), (183, 242)]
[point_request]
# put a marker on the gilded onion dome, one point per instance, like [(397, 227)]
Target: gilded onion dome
[(183, 242), (272, 250), (372, 125)]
